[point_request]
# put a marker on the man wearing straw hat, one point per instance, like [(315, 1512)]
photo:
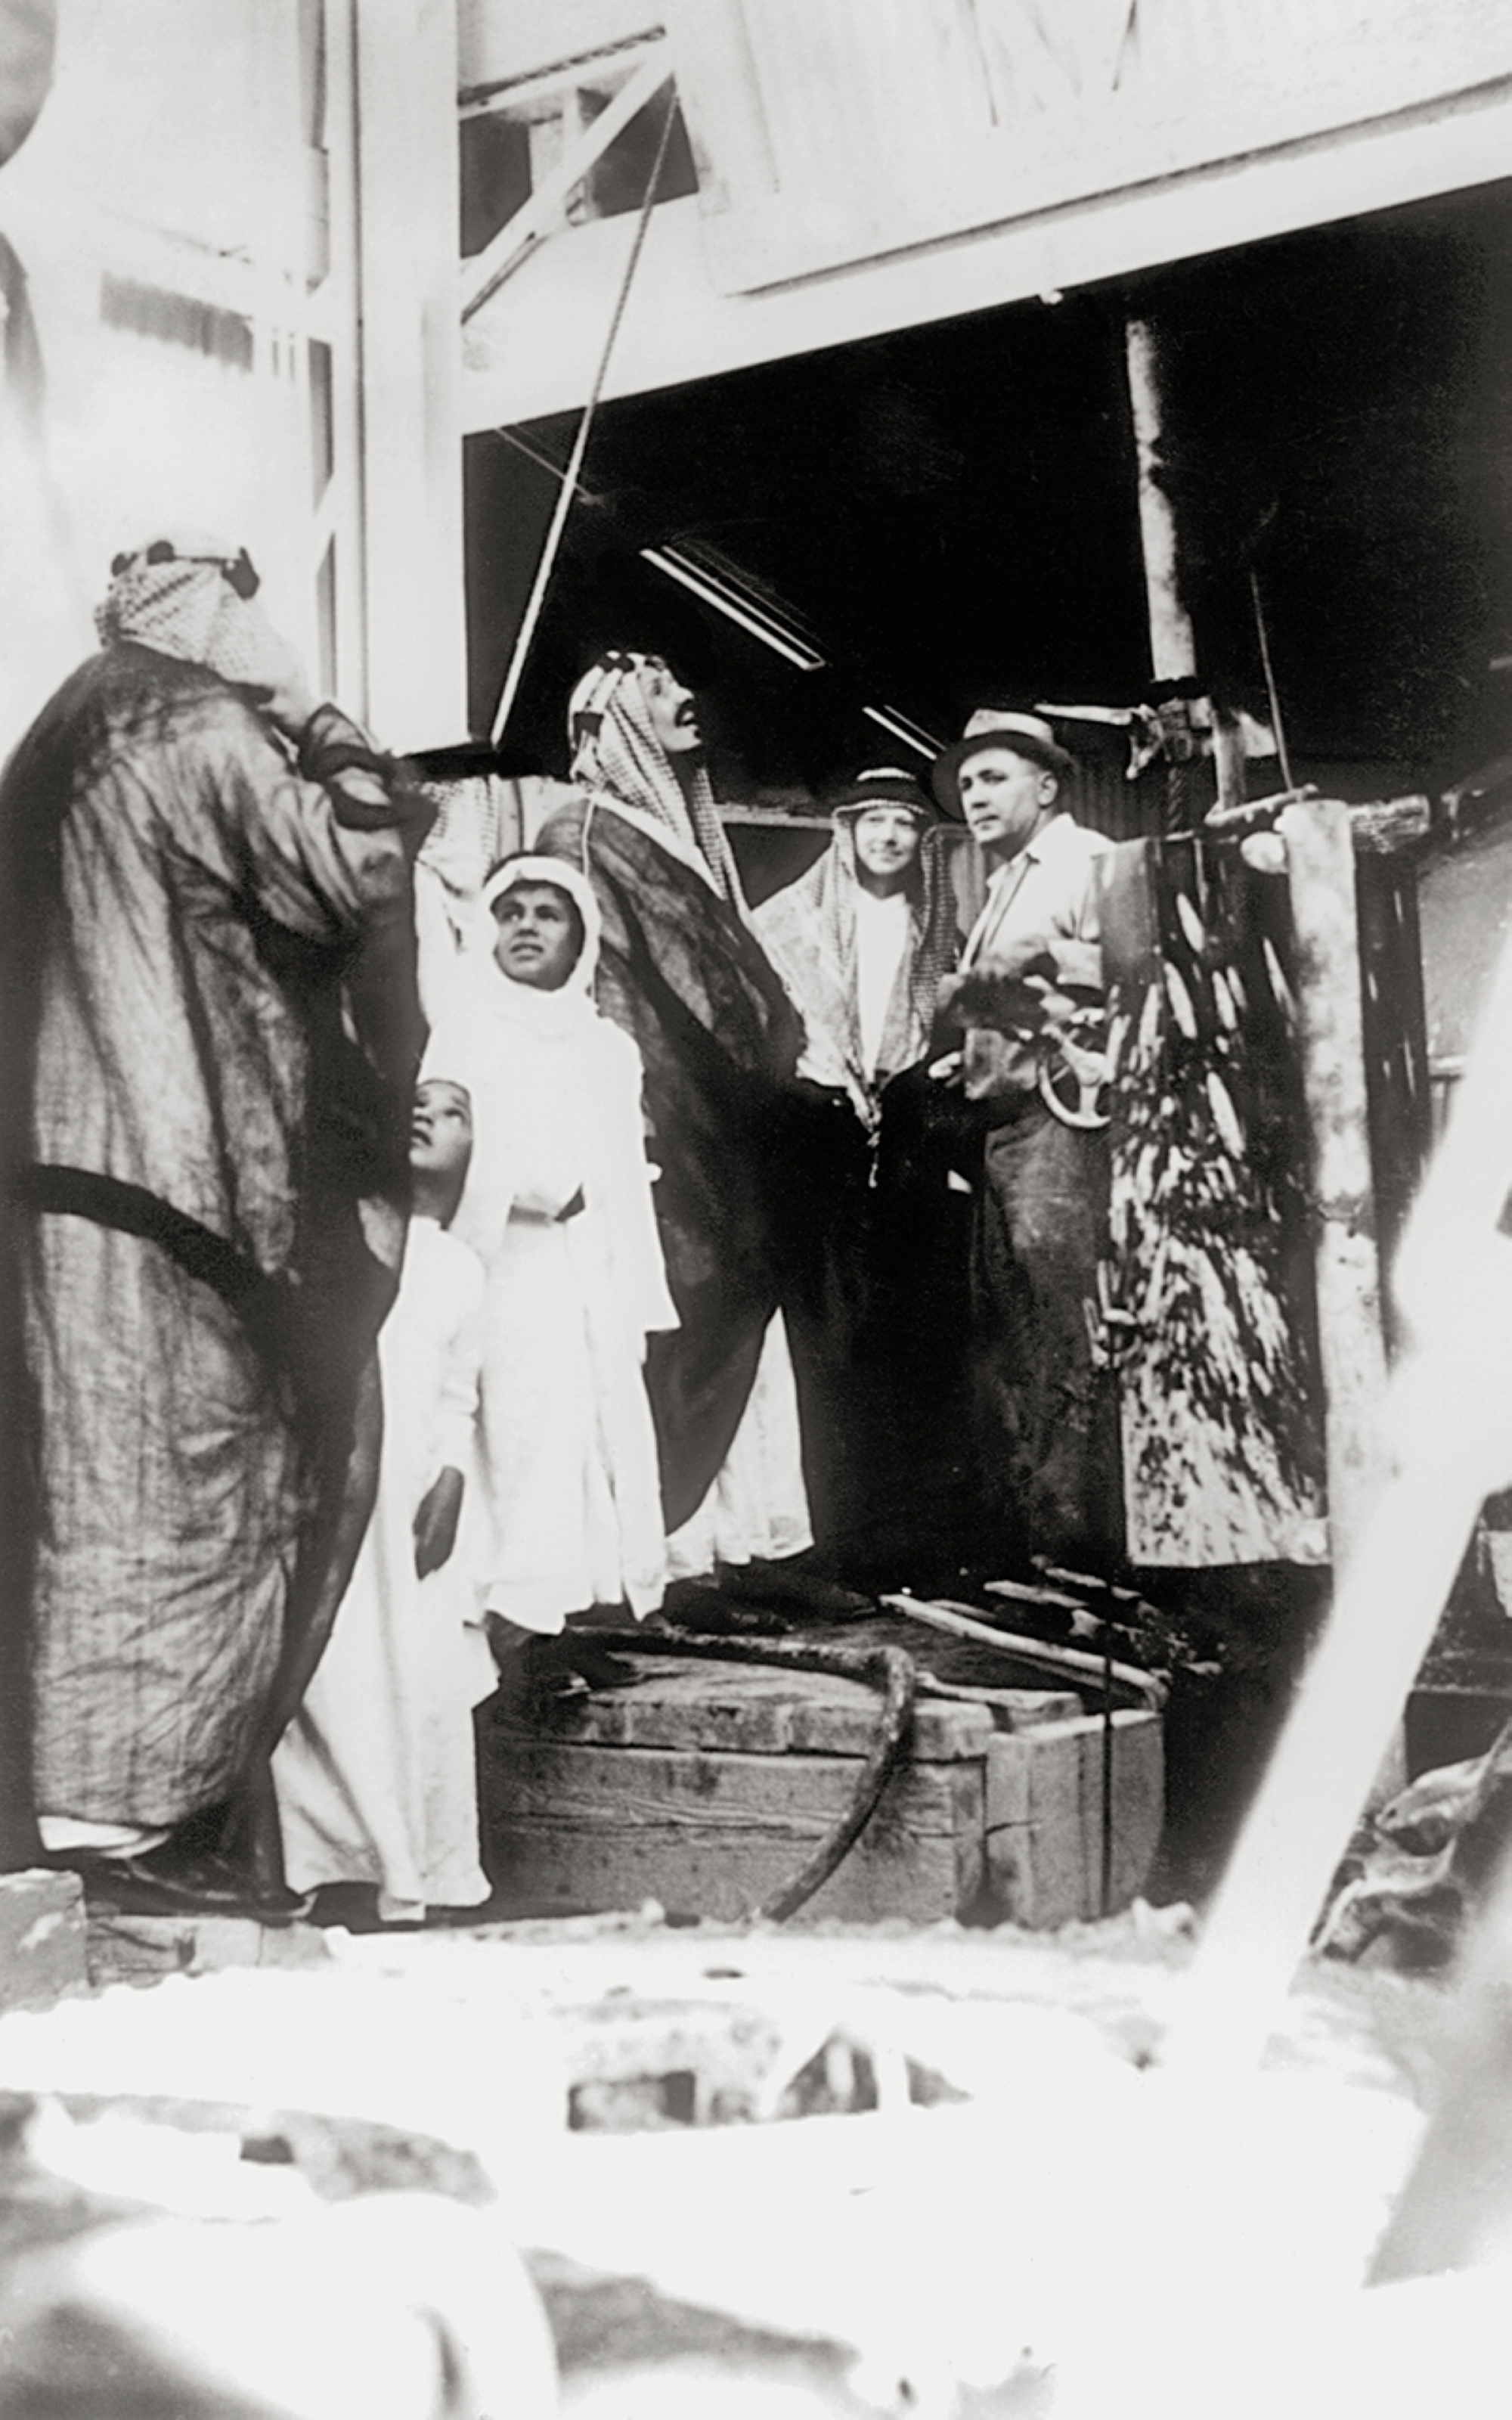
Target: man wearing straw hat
[(1031, 971)]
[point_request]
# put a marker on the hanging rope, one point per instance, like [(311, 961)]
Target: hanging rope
[(569, 478), (888, 1669)]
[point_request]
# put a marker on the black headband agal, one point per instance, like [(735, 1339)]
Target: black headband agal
[(237, 570)]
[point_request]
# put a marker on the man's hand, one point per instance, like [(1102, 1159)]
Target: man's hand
[(1055, 1009), (1012, 1004), (435, 1522)]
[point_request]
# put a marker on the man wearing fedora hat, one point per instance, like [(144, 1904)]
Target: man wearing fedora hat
[(1049, 1430)]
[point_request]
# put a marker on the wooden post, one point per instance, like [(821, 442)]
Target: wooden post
[(1396, 1032), (407, 180), (1331, 1037), (1172, 648), (1228, 755)]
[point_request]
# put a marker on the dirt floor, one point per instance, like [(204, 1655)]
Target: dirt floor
[(868, 2168)]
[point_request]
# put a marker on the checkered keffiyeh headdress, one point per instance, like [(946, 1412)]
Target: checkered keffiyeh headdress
[(190, 597), (809, 931), (615, 751)]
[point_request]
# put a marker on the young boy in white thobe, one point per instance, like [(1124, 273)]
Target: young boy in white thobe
[(377, 1775)]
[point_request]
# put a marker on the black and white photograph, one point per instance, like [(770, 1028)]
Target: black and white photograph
[(755, 1208)]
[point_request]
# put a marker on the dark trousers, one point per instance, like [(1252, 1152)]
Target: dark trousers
[(1047, 1417), (826, 1297), (878, 1312)]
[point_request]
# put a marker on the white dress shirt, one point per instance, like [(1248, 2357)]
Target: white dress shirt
[(1047, 896), (882, 928)]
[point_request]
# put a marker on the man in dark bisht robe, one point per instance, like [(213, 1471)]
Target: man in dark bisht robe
[(208, 959), (682, 973)]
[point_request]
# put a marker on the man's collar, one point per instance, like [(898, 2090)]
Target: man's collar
[(1057, 816), (1031, 851)]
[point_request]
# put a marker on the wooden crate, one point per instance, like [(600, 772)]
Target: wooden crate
[(706, 1785)]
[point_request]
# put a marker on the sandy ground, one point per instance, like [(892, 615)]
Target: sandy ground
[(1025, 2180)]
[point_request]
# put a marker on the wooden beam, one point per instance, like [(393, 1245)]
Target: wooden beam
[(532, 96), (1173, 654), (532, 353), (407, 216), (1395, 1038), (1331, 1035), (504, 42), (1133, 1684), (1229, 755), (536, 218)]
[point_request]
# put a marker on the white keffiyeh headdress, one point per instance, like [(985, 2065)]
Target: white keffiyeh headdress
[(615, 751)]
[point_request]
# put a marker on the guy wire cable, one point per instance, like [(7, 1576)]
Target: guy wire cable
[(569, 480), (1271, 689)]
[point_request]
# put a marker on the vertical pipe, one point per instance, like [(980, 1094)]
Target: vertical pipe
[(1172, 648)]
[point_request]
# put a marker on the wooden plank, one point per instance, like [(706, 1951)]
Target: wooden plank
[(506, 42), (743, 1708), (671, 1707), (942, 1732), (964, 1621), (592, 1829), (1173, 654), (1398, 1087), (1382, 827), (541, 1865), (1320, 872), (1025, 1709), (793, 1798), (1044, 1818)]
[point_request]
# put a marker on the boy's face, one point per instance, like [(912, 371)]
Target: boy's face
[(441, 1128), (538, 937)]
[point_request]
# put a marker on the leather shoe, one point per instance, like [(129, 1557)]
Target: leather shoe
[(166, 1882)]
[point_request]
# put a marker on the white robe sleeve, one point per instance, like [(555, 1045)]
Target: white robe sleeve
[(639, 1270), (456, 1404)]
